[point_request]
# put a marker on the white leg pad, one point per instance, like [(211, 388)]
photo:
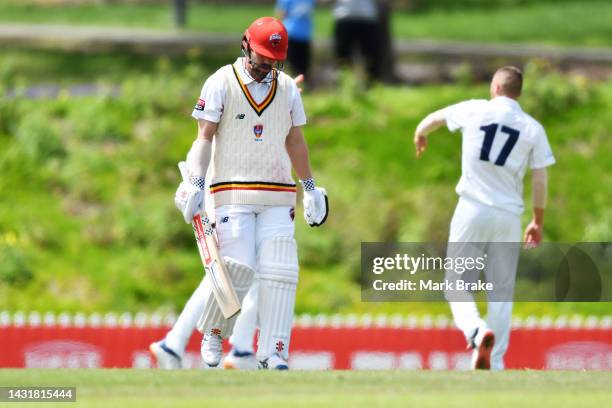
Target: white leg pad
[(212, 317), (278, 277)]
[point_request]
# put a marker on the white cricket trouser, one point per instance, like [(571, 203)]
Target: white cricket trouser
[(478, 223), (178, 337), (240, 229)]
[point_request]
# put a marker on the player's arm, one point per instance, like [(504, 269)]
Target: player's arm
[(540, 158), (189, 197), (295, 142), (298, 153), (316, 206), (432, 122), (534, 231), (208, 112), (198, 157)]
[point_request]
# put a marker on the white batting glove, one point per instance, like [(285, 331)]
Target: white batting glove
[(189, 197), (316, 206)]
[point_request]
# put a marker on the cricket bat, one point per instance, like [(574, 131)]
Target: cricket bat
[(215, 267)]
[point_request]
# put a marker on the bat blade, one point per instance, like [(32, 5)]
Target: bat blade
[(222, 286)]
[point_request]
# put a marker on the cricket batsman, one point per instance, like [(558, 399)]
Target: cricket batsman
[(499, 143), (249, 138)]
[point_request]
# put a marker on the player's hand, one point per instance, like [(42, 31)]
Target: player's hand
[(420, 144), (189, 200), (316, 206), (189, 197), (533, 235), (298, 81)]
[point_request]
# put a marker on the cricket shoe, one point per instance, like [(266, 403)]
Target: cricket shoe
[(212, 348), (239, 360), (274, 362), (482, 343), (164, 356)]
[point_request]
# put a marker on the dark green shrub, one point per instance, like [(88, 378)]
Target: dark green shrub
[(14, 269)]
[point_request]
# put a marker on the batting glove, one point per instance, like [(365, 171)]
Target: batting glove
[(189, 197), (316, 204)]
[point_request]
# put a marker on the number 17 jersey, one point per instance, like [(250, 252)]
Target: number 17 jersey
[(499, 142)]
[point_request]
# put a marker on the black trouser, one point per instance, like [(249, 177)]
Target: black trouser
[(298, 56), (362, 34)]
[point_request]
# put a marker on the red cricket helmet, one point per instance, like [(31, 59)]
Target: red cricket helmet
[(268, 37)]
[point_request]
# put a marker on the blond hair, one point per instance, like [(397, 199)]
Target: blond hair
[(510, 78)]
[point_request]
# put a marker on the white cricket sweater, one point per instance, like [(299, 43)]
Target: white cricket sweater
[(250, 163)]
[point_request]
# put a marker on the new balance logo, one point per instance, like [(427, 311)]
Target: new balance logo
[(240, 116)]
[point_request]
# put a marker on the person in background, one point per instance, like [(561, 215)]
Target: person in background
[(500, 142), (297, 18), (356, 26)]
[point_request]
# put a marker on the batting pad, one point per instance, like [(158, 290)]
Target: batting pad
[(212, 317), (278, 277)]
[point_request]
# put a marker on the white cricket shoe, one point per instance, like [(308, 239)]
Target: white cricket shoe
[(238, 360), (482, 343), (212, 348), (274, 362), (164, 356)]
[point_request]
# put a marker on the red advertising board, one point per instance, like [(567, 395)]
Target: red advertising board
[(312, 347)]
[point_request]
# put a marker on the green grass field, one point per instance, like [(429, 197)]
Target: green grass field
[(569, 23), (134, 388)]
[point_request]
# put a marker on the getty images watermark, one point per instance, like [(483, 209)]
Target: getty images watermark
[(413, 264), (560, 272)]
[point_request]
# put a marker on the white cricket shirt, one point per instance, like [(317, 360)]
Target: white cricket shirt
[(213, 94), (499, 142)]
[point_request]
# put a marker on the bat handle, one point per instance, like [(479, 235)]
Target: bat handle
[(205, 222)]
